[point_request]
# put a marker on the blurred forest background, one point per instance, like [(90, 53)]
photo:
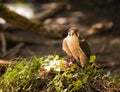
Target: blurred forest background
[(97, 20)]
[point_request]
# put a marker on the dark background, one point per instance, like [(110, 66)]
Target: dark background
[(82, 14)]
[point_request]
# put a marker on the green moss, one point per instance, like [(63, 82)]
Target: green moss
[(24, 77)]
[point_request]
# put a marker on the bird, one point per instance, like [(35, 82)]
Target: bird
[(77, 47)]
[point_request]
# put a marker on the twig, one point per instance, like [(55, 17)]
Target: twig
[(13, 50), (3, 42), (5, 62), (50, 12)]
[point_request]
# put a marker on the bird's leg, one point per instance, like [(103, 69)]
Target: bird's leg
[(77, 61), (79, 64)]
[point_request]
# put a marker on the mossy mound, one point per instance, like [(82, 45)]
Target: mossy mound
[(25, 76)]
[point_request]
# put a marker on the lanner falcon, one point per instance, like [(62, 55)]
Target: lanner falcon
[(77, 47)]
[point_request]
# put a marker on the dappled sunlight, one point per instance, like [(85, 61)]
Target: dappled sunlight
[(34, 33), (2, 21), (22, 9)]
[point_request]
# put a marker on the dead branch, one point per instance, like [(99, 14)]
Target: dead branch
[(29, 25), (5, 62), (3, 42), (50, 12), (23, 36), (13, 51), (101, 27), (27, 37)]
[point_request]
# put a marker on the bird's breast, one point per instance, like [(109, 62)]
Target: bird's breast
[(73, 43)]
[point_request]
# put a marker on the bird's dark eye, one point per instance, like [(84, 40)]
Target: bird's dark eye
[(75, 33), (76, 30)]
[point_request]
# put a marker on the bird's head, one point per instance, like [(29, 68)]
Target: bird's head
[(73, 31)]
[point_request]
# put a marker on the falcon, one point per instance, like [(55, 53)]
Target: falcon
[(77, 47)]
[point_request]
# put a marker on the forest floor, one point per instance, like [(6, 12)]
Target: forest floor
[(106, 46)]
